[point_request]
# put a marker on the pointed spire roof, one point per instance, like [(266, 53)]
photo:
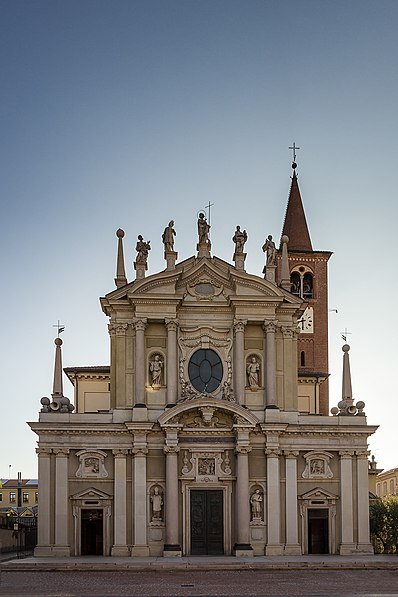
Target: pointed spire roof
[(295, 224), (120, 279)]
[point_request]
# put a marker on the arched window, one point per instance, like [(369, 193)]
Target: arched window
[(307, 286), (295, 280)]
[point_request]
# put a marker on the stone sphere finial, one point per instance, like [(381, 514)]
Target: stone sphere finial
[(345, 348), (58, 342), (45, 401), (285, 239), (119, 233)]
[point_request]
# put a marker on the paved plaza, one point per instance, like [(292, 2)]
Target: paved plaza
[(191, 577)]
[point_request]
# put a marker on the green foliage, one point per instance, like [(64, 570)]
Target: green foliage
[(384, 523)]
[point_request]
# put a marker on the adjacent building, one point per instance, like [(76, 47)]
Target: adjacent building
[(209, 432)]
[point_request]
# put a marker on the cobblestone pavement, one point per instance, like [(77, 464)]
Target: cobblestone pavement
[(196, 583)]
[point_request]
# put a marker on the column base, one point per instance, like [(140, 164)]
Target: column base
[(242, 550), (348, 549), (121, 551), (172, 550), (365, 548), (140, 551), (274, 550), (294, 549), (43, 551), (61, 551)]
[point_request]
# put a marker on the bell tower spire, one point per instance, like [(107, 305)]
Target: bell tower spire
[(295, 224)]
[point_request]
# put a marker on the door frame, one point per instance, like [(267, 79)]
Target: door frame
[(226, 488), (323, 500)]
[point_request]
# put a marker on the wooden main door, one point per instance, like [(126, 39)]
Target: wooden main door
[(92, 543), (318, 530), (207, 532)]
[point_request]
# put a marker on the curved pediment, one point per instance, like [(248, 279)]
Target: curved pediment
[(207, 407)]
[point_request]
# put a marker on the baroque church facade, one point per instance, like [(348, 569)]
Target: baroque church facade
[(210, 432)]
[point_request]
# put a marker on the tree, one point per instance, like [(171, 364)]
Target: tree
[(384, 523)]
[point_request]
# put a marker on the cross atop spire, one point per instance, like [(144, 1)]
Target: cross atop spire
[(294, 165)]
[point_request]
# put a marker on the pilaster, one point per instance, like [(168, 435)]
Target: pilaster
[(274, 546), (43, 547), (347, 545), (270, 329), (239, 360), (364, 546), (242, 545), (61, 544), (140, 364), (172, 546), (172, 364), (292, 546), (120, 547), (140, 451)]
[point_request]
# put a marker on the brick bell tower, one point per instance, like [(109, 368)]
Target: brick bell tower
[(309, 280)]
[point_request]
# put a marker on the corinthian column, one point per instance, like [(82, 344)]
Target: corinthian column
[(140, 361), (61, 546), (242, 545), (172, 546), (172, 366), (347, 545), (44, 505), (239, 360), (270, 379)]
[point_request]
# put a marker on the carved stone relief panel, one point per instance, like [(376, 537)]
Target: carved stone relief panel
[(317, 465), (209, 466), (91, 464)]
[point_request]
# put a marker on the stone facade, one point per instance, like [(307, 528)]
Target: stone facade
[(199, 437)]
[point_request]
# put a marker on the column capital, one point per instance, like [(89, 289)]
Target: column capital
[(61, 452), (346, 454), (43, 451), (362, 454), (272, 452), (171, 449), (117, 329), (291, 454), (139, 451), (239, 325), (288, 332), (171, 324), (120, 453), (243, 449), (140, 323), (269, 326)]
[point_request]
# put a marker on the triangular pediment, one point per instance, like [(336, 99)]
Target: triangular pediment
[(91, 494), (318, 494)]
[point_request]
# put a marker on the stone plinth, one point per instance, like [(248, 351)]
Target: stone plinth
[(171, 258), (140, 269), (204, 249), (239, 259), (269, 273)]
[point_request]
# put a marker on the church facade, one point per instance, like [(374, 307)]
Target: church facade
[(210, 432)]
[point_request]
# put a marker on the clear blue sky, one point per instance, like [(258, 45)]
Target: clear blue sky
[(127, 114)]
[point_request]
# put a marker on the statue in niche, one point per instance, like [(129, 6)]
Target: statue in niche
[(168, 237), (256, 504), (155, 367), (157, 503), (270, 249), (203, 229), (239, 238), (252, 370), (142, 247)]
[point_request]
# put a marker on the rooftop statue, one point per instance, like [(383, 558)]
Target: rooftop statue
[(142, 247), (203, 229), (168, 237), (269, 247), (239, 238)]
